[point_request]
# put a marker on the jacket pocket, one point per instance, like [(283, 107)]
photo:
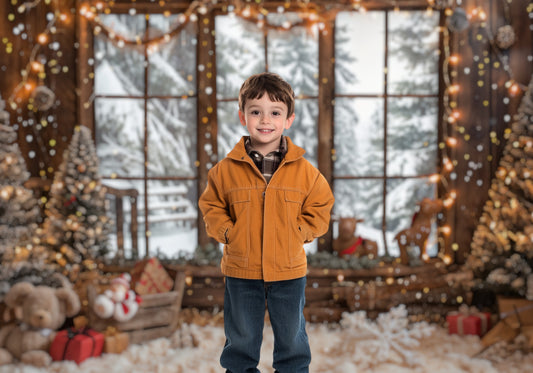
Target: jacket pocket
[(238, 237), (295, 237)]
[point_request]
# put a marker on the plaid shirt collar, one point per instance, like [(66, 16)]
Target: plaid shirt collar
[(269, 163)]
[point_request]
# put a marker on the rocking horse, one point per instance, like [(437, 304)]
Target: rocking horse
[(417, 234)]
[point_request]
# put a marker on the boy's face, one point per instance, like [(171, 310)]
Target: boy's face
[(265, 121)]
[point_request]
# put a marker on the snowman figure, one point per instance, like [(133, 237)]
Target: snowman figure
[(119, 301)]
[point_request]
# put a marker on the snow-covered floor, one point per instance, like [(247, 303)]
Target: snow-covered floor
[(357, 344)]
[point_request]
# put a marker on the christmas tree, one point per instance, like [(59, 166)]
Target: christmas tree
[(502, 246), (76, 227), (19, 209)]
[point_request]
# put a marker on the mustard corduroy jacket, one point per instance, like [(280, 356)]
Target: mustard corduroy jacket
[(264, 227)]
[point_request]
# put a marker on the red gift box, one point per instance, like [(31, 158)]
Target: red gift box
[(469, 321), (76, 345)]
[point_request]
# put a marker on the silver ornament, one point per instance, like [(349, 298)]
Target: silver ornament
[(458, 21)]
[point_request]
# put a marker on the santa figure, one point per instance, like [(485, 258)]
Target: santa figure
[(119, 301)]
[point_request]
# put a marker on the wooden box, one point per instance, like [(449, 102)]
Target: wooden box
[(157, 315)]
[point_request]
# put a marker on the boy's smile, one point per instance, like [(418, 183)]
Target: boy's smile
[(265, 121)]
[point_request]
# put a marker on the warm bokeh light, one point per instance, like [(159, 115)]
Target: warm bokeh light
[(42, 38)]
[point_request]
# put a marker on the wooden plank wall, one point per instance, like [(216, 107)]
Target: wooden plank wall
[(483, 109), (479, 130)]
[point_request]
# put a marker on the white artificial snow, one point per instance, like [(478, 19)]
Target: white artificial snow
[(388, 345)]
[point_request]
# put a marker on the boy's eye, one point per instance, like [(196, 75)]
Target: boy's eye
[(276, 113), (254, 112)]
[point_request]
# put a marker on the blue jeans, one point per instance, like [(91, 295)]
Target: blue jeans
[(244, 316)]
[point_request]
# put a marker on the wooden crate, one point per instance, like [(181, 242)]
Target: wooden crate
[(157, 315)]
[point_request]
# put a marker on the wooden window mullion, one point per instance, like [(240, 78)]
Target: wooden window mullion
[(326, 97), (206, 109)]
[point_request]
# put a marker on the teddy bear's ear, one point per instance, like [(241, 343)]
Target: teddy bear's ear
[(70, 300), (18, 292)]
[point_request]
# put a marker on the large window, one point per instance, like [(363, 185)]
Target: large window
[(383, 100), (386, 118)]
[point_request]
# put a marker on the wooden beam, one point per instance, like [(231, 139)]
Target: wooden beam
[(206, 121), (326, 111)]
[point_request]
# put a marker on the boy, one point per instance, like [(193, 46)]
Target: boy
[(263, 202)]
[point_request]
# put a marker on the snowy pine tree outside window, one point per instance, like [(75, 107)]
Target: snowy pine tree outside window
[(386, 119)]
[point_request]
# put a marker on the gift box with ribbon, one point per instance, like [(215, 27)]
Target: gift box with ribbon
[(76, 344), (150, 277), (468, 320), (115, 341)]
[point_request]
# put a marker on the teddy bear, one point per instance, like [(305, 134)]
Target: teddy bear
[(119, 301), (43, 310)]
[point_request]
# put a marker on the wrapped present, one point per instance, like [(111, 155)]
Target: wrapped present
[(150, 277), (76, 344), (468, 320), (115, 341)]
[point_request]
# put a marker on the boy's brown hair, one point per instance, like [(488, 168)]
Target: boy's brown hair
[(277, 89)]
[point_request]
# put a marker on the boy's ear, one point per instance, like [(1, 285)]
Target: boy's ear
[(288, 122), (242, 119)]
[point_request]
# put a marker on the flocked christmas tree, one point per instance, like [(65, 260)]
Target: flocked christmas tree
[(76, 227), (19, 209), (502, 245)]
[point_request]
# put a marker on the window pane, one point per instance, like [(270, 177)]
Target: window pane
[(413, 52), (358, 137), (402, 198), (362, 199), (230, 129), (303, 131), (240, 53), (119, 70), (172, 217), (359, 52), (172, 137), (412, 136), (293, 54), (119, 136), (171, 69)]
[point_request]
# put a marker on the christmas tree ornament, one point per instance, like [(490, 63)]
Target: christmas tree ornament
[(505, 37), (458, 21), (43, 98)]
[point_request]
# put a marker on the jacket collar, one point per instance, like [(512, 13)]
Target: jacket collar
[(294, 152)]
